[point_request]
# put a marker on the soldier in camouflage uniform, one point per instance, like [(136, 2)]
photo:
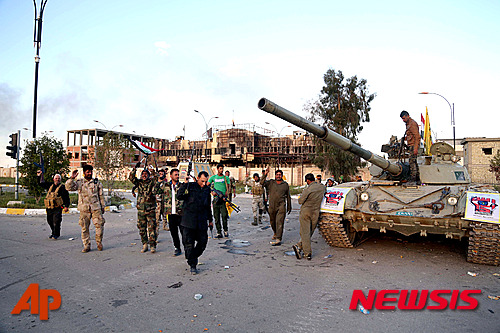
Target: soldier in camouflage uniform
[(257, 198), (146, 205), (90, 204), (160, 202)]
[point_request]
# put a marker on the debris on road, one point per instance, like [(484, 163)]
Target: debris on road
[(496, 298), (472, 273), (72, 238), (198, 297), (363, 310), (328, 256), (374, 261), (176, 285)]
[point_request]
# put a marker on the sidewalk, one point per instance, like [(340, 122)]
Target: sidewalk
[(23, 211)]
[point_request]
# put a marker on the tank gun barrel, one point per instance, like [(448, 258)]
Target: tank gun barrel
[(328, 136)]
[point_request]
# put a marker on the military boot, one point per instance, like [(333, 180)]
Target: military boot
[(144, 248), (260, 219), (99, 246), (153, 249), (254, 221), (86, 249)]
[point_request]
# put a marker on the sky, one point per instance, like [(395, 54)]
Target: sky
[(147, 65)]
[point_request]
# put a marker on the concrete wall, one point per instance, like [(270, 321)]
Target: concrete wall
[(477, 161)]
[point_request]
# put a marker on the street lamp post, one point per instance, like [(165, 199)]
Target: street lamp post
[(452, 109), (206, 127), (37, 39), (279, 139)]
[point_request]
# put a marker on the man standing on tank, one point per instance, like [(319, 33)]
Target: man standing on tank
[(220, 183), (412, 136), (196, 218), (279, 192)]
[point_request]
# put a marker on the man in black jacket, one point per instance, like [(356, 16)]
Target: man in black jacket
[(55, 189), (196, 213)]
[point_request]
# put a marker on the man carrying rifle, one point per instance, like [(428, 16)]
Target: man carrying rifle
[(220, 183), (196, 218)]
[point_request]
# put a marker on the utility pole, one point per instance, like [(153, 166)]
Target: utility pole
[(37, 40), (17, 164)]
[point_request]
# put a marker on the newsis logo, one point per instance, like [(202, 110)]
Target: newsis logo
[(39, 299), (415, 299)]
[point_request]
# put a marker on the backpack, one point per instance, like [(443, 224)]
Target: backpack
[(53, 199)]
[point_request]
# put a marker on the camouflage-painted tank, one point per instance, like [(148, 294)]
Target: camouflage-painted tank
[(388, 202)]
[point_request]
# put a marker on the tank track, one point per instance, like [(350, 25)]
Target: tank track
[(333, 231), (484, 244)]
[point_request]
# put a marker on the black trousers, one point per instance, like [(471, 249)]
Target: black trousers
[(174, 223), (54, 219), (195, 242)]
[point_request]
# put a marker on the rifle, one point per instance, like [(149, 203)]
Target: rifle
[(221, 196), (190, 164), (41, 165)]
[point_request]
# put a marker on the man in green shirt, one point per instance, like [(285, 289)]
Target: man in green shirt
[(223, 184)]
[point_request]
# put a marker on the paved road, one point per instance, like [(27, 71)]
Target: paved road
[(264, 290)]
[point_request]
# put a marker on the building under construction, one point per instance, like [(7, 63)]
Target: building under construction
[(243, 149), (241, 145)]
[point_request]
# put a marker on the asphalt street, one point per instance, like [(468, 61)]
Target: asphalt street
[(246, 285)]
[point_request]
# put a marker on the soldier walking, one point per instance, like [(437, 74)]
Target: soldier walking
[(280, 203), (90, 204), (56, 201), (232, 185), (160, 202), (220, 183), (146, 205), (310, 199), (257, 198), (196, 218)]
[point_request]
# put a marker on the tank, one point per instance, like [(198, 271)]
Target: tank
[(388, 202)]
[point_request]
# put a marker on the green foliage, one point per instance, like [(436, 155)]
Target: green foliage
[(55, 161), (7, 180), (343, 105), (495, 165), (109, 161)]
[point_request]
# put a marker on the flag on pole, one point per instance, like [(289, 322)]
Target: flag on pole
[(142, 147), (427, 134)]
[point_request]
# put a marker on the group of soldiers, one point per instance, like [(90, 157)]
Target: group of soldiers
[(186, 208)]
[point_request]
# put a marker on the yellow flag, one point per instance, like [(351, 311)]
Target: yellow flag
[(229, 209), (427, 134)]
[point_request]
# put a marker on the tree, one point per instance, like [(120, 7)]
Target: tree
[(495, 165), (342, 106), (109, 158), (54, 157)]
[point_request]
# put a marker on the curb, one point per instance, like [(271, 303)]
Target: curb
[(31, 212)]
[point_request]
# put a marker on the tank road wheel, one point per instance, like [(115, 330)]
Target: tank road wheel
[(336, 231), (484, 244)]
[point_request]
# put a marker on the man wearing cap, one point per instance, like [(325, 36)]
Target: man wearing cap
[(90, 204), (412, 136), (257, 198), (146, 205), (310, 199)]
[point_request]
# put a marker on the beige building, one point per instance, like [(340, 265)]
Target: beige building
[(478, 153)]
